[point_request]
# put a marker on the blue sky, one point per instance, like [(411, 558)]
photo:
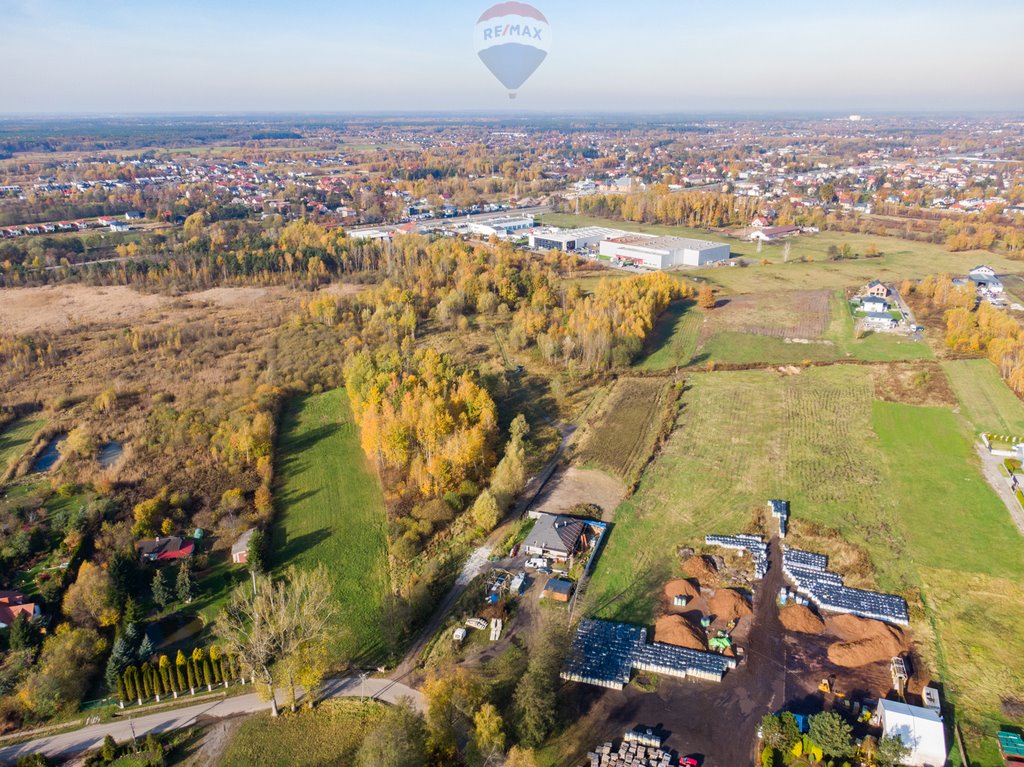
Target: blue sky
[(687, 56)]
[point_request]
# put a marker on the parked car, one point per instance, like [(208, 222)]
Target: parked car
[(536, 563)]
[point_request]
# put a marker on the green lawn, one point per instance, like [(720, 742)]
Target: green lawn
[(900, 259), (677, 337), (897, 482), (15, 438), (331, 510), (987, 401), (329, 735), (673, 342)]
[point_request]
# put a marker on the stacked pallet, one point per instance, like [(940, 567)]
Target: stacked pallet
[(629, 754)]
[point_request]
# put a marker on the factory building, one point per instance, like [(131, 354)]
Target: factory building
[(570, 240), (663, 252), (501, 227)]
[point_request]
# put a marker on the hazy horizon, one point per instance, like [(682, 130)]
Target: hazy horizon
[(653, 57)]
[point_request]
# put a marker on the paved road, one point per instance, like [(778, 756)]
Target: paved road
[(990, 468), (86, 738)]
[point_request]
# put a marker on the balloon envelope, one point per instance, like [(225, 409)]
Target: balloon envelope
[(512, 39)]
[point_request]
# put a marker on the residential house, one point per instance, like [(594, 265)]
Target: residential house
[(240, 548), (13, 604), (134, 215), (877, 289), (879, 320), (773, 233), (165, 549), (920, 729), (874, 304), (556, 537), (985, 280)]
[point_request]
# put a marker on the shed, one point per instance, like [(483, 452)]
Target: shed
[(557, 589), (240, 548), (920, 729)]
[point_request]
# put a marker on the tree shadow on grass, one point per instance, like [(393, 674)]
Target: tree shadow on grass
[(286, 549), (308, 440)]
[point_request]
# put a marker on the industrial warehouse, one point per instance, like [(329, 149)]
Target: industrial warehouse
[(622, 248)]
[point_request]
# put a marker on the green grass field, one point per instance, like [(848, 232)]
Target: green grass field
[(331, 510), (988, 403), (896, 481), (331, 734), (673, 342), (676, 340), (15, 439), (900, 259)]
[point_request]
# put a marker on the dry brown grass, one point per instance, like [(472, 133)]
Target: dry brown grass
[(788, 314)]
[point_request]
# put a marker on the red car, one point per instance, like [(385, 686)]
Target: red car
[(688, 761)]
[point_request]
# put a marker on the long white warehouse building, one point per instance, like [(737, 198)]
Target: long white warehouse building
[(663, 252)]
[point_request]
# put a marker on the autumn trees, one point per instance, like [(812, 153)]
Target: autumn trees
[(422, 418), (598, 331), (279, 628)]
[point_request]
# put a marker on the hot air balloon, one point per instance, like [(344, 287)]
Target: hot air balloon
[(512, 39)]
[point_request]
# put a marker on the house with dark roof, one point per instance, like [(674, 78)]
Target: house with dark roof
[(874, 304), (557, 589), (877, 289), (165, 549), (556, 536)]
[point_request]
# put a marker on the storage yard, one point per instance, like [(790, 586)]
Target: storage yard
[(713, 649)]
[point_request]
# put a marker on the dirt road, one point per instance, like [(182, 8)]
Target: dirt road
[(479, 561), (715, 722)]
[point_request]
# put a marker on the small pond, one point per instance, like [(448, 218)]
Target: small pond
[(110, 453), (51, 453)]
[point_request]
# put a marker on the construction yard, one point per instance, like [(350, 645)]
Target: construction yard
[(784, 656), (882, 487)]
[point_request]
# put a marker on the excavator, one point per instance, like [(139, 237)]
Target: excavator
[(828, 686)]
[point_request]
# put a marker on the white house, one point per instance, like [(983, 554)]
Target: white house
[(874, 304), (985, 280), (879, 320), (920, 729)]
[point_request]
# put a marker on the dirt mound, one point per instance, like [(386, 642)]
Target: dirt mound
[(864, 651), (701, 568), (676, 630), (680, 588), (864, 641), (729, 605), (801, 619), (851, 628)]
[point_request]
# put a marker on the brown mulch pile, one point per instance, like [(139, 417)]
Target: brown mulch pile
[(702, 568), (681, 587), (863, 641), (729, 605), (801, 619), (676, 630)]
